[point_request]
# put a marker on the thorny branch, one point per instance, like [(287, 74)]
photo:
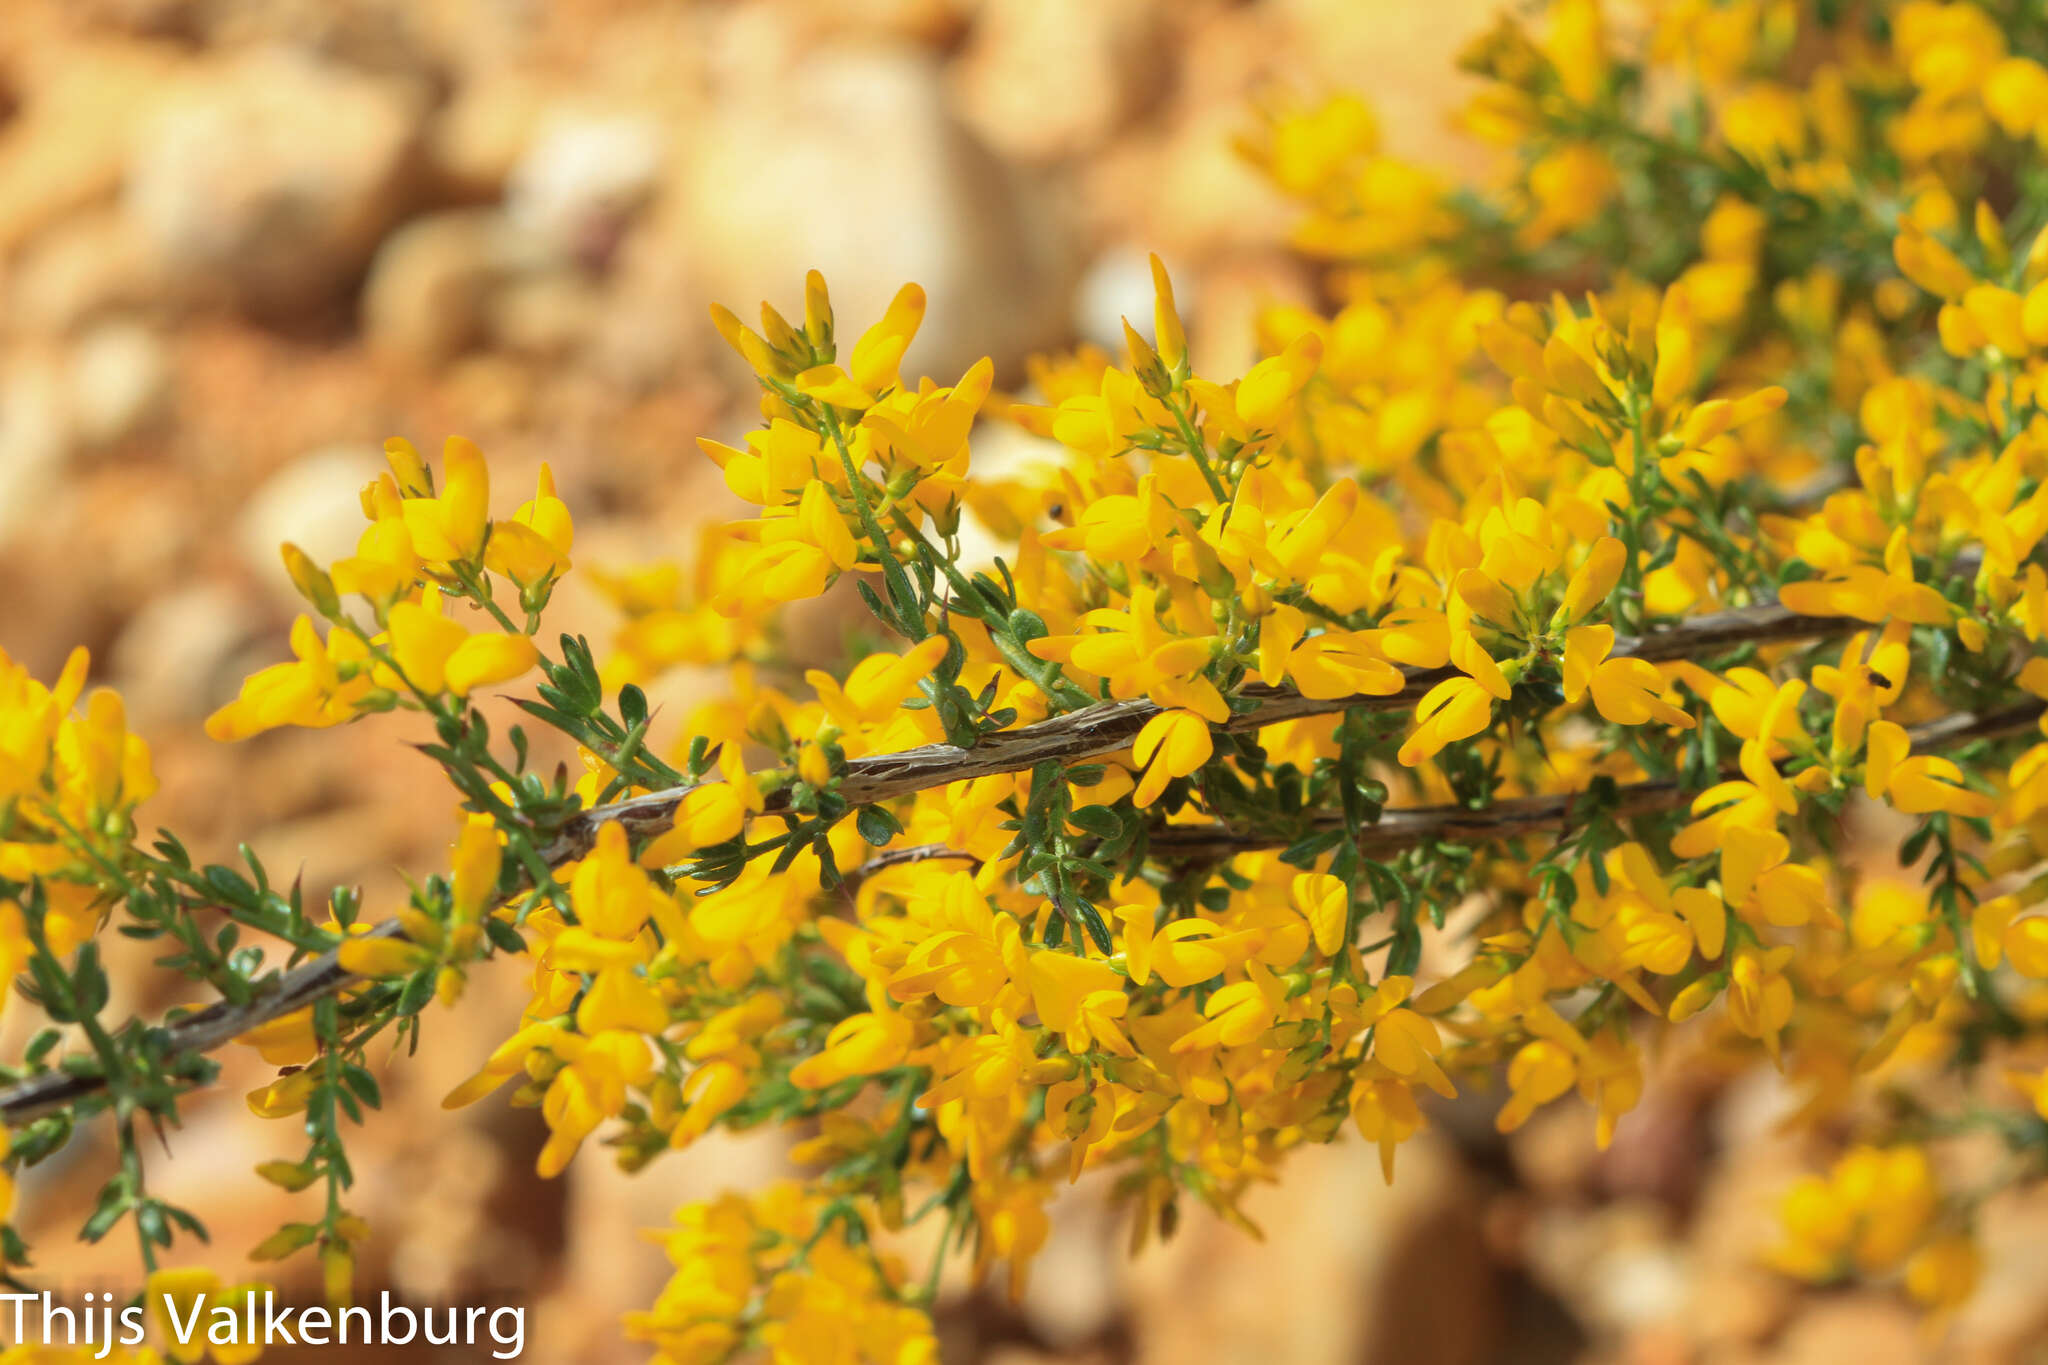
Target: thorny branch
[(1072, 738)]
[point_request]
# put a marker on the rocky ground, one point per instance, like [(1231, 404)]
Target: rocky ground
[(242, 241)]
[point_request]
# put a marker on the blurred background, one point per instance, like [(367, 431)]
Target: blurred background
[(242, 241)]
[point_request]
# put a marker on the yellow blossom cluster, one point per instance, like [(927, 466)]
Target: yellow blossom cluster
[(1478, 692), (786, 1269), (70, 779)]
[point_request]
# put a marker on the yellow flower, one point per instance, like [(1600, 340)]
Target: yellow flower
[(1385, 1110), (878, 684), (1918, 785), (1139, 658), (486, 659), (1455, 709), (800, 552), (620, 998), (1537, 1074), (533, 547), (859, 1045), (872, 369), (1265, 396), (1628, 691), (711, 1091), (1172, 744), (422, 641), (450, 528), (2025, 944), (479, 854), (382, 956), (1325, 902), (283, 1097), (319, 690), (1591, 582), (1406, 1043), (1080, 998), (1570, 187), (1943, 1274), (612, 897), (1759, 996), (1235, 1015), (591, 1088), (287, 1040), (1168, 336)]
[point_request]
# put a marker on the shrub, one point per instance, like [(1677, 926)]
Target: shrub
[(1479, 684)]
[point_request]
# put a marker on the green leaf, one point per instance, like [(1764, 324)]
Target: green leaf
[(632, 706), (876, 825), (1100, 821), (363, 1084), (113, 1202)]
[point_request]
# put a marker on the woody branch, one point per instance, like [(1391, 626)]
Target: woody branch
[(1075, 737)]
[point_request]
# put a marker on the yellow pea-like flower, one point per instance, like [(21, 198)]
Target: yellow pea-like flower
[(423, 641), (1454, 709), (450, 527), (382, 956), (1537, 1074), (488, 659), (1172, 744), (1325, 902), (1628, 691), (1265, 396), (857, 1046)]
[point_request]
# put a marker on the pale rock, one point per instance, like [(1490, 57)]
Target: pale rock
[(1352, 1269), (2009, 1311), (427, 297), (1735, 1305), (1046, 79), (1071, 1296), (120, 382), (652, 325), (272, 182), (1644, 1286), (486, 127), (583, 180), (1869, 1328), (856, 168), (171, 661), (36, 437), (930, 23), (1187, 191), (66, 147), (313, 502), (1617, 1265), (548, 316), (442, 1241), (92, 263), (1554, 1152)]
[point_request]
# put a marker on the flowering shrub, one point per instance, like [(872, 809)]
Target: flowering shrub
[(1475, 687)]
